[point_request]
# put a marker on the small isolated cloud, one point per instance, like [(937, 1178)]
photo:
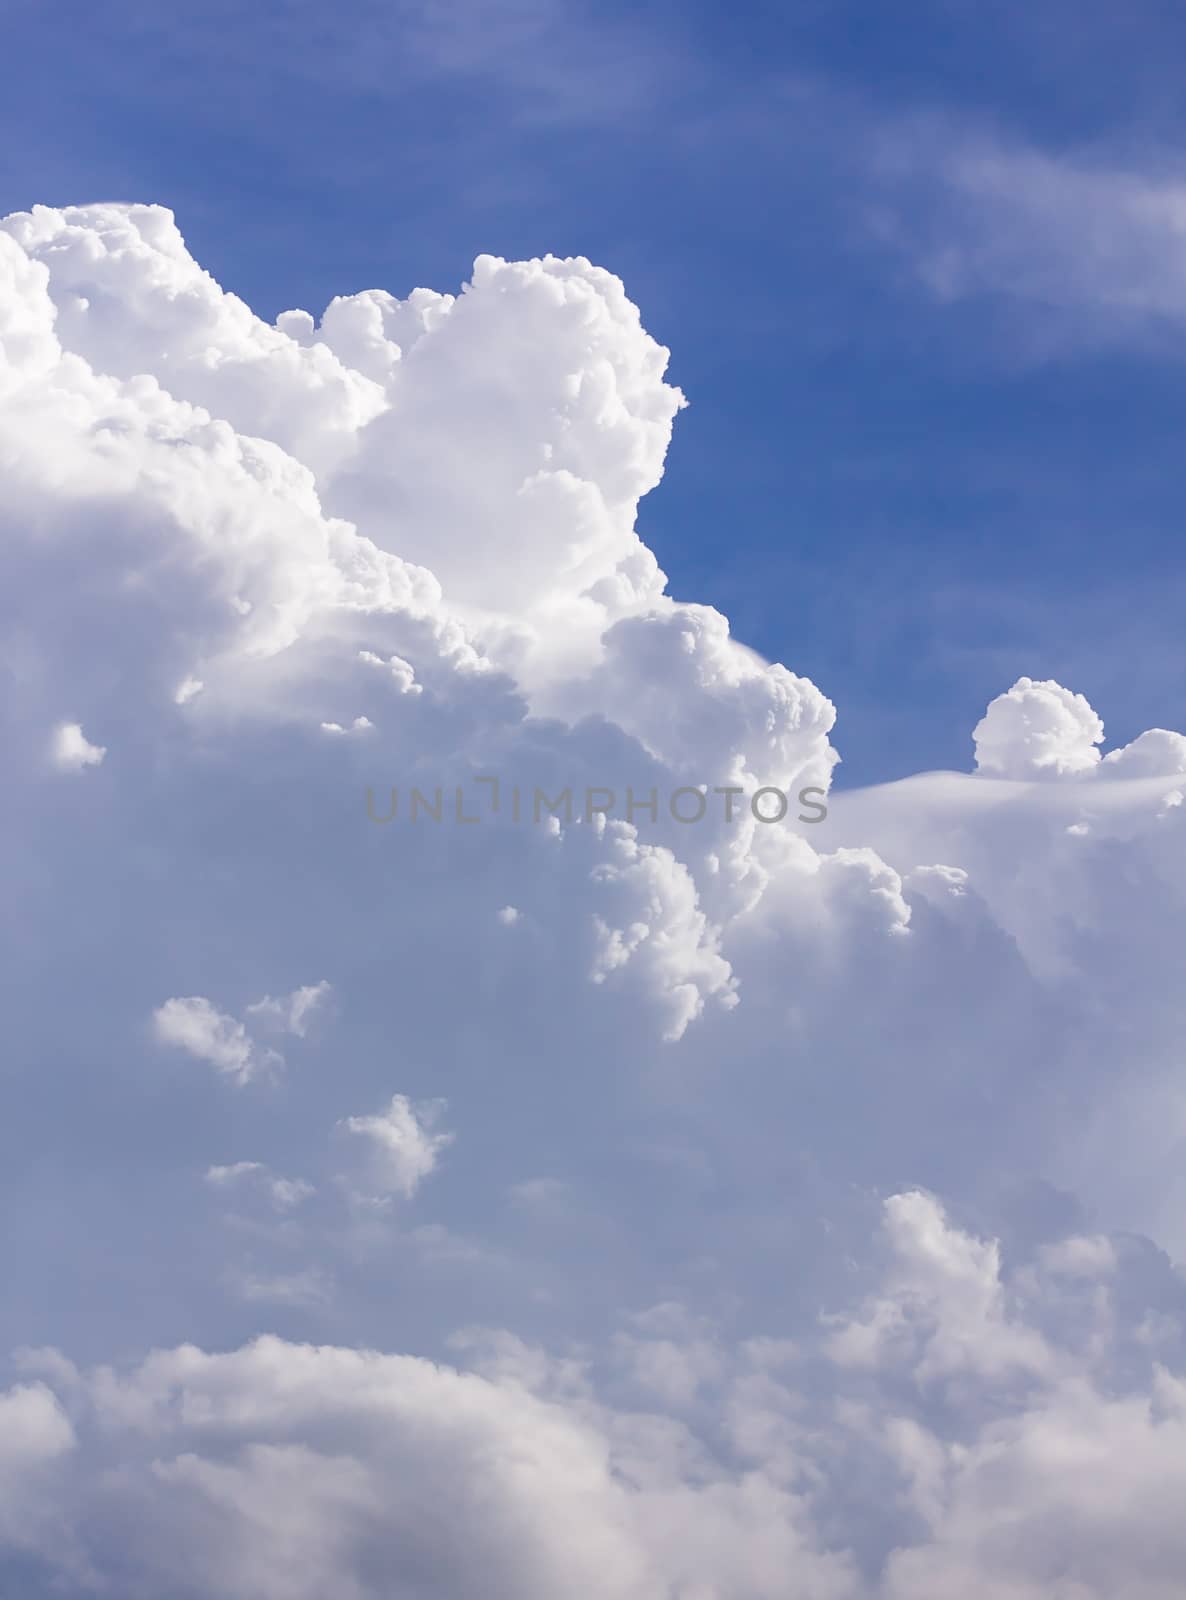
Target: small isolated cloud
[(187, 690), (72, 751), (539, 1194), (227, 1177), (308, 1288), (402, 1146), (1037, 730), (291, 1013), (284, 1193), (191, 1023)]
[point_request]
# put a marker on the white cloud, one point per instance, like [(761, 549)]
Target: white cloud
[(1082, 1256), (414, 520), (403, 1147), (942, 1311), (72, 750), (285, 1468), (33, 1427), (657, 928), (319, 1468), (1071, 1475), (402, 674), (1091, 242), (221, 1177), (291, 1013), (284, 1193), (193, 1024), (1038, 730), (1157, 753)]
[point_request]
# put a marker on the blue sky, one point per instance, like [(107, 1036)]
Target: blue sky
[(891, 471)]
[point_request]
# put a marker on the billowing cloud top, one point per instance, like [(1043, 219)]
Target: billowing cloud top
[(483, 1117)]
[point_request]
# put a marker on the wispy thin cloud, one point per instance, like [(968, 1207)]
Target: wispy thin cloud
[(1092, 246)]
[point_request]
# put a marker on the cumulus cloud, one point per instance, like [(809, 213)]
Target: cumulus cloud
[(196, 1025), (942, 1310), (1041, 730), (193, 1024), (353, 1470), (1157, 753), (72, 750), (672, 944), (284, 569), (402, 1148), (36, 1439), (680, 1459), (1038, 730)]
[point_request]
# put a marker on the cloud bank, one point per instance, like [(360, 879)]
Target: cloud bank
[(607, 1207)]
